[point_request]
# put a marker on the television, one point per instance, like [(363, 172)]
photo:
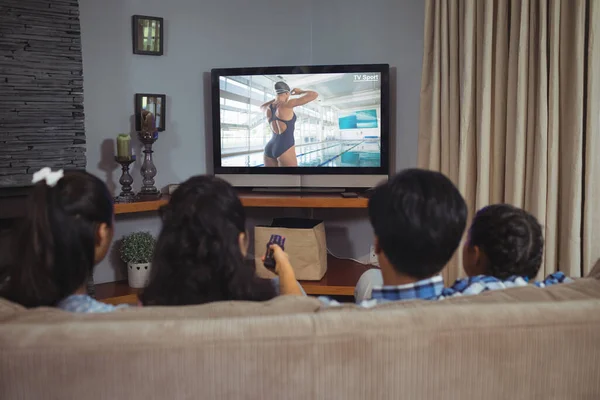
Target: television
[(301, 127)]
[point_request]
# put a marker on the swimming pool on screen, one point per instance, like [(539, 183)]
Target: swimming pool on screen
[(335, 153)]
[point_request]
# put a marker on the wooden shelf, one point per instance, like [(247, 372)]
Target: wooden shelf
[(140, 206), (302, 201), (260, 200), (117, 293), (340, 280)]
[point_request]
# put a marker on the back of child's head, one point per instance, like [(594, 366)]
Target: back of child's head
[(56, 245), (198, 256), (419, 218), (510, 239)]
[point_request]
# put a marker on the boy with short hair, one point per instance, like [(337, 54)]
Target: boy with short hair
[(418, 217), (504, 248)]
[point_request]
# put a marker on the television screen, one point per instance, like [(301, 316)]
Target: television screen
[(314, 119)]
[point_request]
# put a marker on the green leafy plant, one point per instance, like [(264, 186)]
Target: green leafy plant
[(137, 248)]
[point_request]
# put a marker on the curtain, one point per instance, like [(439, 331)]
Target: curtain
[(510, 112)]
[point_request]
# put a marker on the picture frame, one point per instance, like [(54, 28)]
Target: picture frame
[(156, 104), (148, 35)]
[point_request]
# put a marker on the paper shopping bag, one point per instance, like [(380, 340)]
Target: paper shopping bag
[(305, 245)]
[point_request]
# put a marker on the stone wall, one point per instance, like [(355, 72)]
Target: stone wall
[(41, 88)]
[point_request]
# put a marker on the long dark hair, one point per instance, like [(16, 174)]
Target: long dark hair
[(54, 251), (197, 258)]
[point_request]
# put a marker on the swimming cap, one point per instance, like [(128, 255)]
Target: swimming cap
[(281, 87)]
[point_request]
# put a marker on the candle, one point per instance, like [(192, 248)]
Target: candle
[(124, 146), (148, 122), (152, 122)]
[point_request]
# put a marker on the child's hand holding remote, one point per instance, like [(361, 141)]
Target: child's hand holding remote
[(282, 261), (287, 279)]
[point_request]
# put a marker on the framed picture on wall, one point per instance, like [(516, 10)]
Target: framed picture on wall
[(148, 37), (154, 103)]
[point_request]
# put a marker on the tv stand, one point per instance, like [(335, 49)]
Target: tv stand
[(293, 190)]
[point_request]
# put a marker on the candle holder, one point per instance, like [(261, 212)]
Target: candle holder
[(126, 195), (148, 191)]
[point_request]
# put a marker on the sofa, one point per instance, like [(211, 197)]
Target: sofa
[(522, 343)]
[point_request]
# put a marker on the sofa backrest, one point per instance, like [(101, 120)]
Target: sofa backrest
[(518, 343), (469, 351)]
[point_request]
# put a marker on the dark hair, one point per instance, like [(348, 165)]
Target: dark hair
[(281, 87), (419, 218), (510, 238), (198, 257), (55, 244)]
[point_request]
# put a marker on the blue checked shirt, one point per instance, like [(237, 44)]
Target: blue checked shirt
[(482, 283), (426, 289), (433, 288)]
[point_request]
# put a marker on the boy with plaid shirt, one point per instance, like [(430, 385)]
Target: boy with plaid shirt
[(503, 250), (418, 217)]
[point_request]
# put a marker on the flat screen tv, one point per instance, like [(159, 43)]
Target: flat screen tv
[(301, 127)]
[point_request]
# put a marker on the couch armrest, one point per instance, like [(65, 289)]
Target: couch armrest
[(595, 272)]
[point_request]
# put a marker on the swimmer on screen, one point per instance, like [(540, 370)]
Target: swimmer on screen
[(280, 151)]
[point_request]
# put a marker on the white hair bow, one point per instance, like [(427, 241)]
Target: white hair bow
[(46, 174)]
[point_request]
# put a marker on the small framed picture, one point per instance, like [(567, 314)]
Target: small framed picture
[(154, 103), (148, 38)]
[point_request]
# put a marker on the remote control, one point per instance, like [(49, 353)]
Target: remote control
[(269, 262)]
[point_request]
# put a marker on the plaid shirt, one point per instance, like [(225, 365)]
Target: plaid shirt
[(425, 289), (482, 283), (433, 288)]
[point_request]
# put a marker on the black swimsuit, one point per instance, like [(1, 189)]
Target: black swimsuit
[(283, 141)]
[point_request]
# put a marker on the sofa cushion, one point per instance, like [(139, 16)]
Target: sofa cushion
[(8, 308)]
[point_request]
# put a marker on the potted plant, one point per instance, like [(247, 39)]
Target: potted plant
[(136, 250)]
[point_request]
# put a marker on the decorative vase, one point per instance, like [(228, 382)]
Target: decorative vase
[(138, 274)]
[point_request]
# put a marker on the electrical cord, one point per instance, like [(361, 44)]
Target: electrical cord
[(347, 258)]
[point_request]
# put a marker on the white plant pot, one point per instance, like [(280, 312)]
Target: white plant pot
[(138, 275)]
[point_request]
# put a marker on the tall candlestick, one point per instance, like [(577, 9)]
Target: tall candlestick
[(148, 191), (126, 180), (148, 136)]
